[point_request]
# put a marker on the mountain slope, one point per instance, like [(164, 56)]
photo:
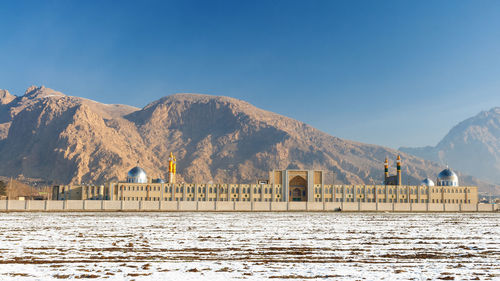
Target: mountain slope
[(69, 139), (224, 139), (61, 138), (472, 146)]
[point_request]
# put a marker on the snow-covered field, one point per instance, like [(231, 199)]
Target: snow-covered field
[(249, 246)]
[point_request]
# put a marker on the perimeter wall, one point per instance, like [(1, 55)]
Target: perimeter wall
[(231, 206)]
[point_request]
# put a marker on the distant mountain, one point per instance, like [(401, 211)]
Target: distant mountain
[(6, 97), (48, 135), (472, 146)]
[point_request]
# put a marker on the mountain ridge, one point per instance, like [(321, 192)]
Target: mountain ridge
[(472, 146), (220, 139)]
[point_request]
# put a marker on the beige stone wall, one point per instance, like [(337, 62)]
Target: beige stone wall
[(269, 193), (454, 194), (198, 192), (189, 206), (276, 177), (80, 192), (318, 177)]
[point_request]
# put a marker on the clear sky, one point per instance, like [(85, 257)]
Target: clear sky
[(394, 73)]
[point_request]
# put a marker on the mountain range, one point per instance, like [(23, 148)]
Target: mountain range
[(472, 146), (64, 139)]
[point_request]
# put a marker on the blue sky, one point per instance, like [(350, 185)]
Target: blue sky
[(394, 73)]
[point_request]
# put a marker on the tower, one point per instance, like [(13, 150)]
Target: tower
[(386, 170), (398, 161), (172, 167), (393, 180)]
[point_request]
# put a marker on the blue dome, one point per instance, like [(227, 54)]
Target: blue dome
[(137, 175), (427, 182), (447, 178)]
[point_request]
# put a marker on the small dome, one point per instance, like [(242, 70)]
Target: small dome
[(427, 182), (447, 178), (137, 175)]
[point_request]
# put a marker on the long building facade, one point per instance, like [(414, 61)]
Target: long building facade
[(269, 193), (282, 186)]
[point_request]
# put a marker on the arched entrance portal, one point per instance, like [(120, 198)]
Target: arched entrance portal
[(298, 189)]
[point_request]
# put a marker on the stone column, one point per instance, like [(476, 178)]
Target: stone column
[(284, 182), (101, 192), (111, 188), (322, 187), (272, 193), (310, 186)]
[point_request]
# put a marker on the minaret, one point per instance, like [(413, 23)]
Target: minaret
[(171, 168), (386, 170), (399, 170)]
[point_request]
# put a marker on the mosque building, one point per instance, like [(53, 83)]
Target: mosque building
[(282, 186)]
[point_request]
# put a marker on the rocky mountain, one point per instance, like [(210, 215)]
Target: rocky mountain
[(472, 146), (49, 135), (6, 97)]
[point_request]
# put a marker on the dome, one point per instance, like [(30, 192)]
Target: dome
[(137, 175), (447, 178), (427, 182)]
